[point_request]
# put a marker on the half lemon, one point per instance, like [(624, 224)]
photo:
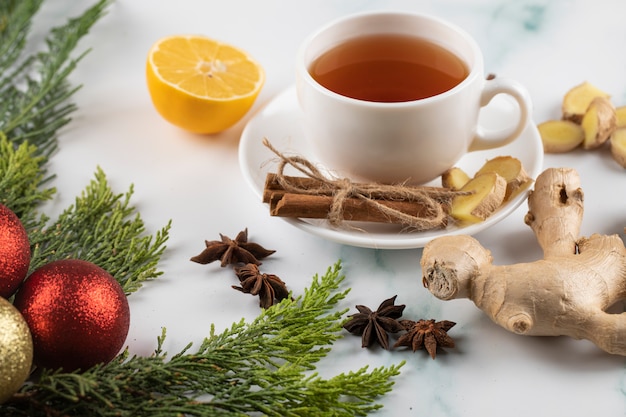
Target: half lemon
[(202, 85)]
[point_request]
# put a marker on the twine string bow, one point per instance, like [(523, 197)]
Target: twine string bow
[(432, 216)]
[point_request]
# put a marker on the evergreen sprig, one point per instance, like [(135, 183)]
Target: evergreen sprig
[(104, 228), (35, 102), (34, 88), (258, 367), (22, 180)]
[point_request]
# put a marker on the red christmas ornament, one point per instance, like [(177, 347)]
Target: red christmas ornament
[(14, 252), (77, 313)]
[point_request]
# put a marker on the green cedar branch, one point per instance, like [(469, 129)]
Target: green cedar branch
[(258, 367), (104, 228), (21, 180), (15, 23), (35, 90), (35, 100)]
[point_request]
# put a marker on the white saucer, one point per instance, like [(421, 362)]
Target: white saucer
[(279, 122)]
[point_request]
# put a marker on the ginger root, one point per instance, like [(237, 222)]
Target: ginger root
[(598, 123), (618, 138), (503, 177), (618, 146), (454, 178), (566, 293), (620, 117), (486, 194), (511, 169), (577, 100), (559, 136), (589, 120)]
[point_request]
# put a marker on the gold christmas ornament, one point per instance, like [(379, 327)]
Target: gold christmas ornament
[(16, 350)]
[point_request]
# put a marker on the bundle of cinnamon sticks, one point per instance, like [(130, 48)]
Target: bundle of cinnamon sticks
[(318, 196), (309, 198)]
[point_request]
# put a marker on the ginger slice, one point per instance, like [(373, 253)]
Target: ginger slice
[(559, 136), (577, 100), (454, 178), (487, 193), (618, 146), (620, 113), (509, 168), (598, 122)]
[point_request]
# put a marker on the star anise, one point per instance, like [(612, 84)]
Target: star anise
[(426, 334), (376, 325), (232, 251), (268, 287)]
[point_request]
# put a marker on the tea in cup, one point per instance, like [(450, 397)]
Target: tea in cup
[(394, 97)]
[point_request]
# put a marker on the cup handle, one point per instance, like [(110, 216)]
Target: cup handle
[(495, 138)]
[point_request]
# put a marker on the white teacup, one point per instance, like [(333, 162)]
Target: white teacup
[(413, 139)]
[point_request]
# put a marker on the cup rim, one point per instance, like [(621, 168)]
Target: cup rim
[(301, 66)]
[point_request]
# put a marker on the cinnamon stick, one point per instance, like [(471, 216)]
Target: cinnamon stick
[(284, 204), (273, 188)]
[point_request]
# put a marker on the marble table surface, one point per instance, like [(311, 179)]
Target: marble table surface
[(547, 45)]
